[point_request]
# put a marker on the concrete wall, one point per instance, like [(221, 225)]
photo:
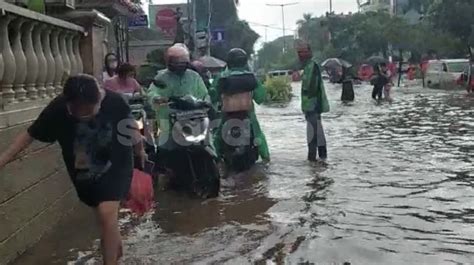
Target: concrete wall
[(35, 192), (138, 50)]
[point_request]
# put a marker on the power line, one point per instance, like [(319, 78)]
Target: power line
[(269, 26), (283, 18)]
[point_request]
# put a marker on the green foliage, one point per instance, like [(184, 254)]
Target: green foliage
[(359, 36), (455, 17), (155, 62), (238, 34), (156, 56), (278, 90), (272, 57)]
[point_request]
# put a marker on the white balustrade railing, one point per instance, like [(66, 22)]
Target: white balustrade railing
[(37, 54)]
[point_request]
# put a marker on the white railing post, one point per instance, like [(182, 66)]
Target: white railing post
[(59, 67), (70, 53), (20, 59), (31, 60), (63, 49), (42, 63), (77, 53), (9, 71), (46, 41)]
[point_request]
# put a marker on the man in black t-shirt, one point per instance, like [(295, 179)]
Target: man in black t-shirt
[(96, 133)]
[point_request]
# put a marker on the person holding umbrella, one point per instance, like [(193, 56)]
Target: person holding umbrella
[(347, 86), (380, 80)]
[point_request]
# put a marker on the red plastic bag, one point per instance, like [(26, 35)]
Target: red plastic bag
[(141, 195)]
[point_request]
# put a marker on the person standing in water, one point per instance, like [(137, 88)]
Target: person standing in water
[(379, 81), (314, 102), (97, 135)]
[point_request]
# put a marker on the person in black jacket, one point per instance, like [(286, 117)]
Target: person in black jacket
[(379, 81)]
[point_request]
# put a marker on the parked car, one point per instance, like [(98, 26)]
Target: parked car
[(281, 73), (288, 74), (443, 74)]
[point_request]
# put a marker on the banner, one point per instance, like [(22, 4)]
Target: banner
[(166, 18)]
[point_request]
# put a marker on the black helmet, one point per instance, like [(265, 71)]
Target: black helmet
[(237, 58)]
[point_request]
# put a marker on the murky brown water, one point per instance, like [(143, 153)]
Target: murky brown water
[(399, 189)]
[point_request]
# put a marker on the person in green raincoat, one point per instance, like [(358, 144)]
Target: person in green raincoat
[(237, 64), (314, 102), (175, 81)]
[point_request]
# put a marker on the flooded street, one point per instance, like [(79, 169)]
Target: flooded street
[(399, 189)]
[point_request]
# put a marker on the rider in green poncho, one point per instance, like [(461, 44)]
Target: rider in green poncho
[(237, 64), (314, 102), (175, 81)]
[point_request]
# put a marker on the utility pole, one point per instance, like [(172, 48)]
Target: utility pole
[(266, 36), (330, 6), (283, 19)]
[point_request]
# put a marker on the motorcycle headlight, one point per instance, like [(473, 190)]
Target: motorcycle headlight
[(140, 124)]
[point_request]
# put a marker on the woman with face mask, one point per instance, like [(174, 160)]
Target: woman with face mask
[(124, 82), (110, 66)]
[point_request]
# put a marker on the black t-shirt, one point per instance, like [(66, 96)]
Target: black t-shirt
[(94, 149)]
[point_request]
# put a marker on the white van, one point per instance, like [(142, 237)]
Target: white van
[(443, 74), (285, 73)]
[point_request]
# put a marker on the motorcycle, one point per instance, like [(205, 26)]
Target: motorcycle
[(239, 149), (143, 115), (188, 159)]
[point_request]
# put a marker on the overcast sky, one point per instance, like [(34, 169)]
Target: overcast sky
[(257, 12)]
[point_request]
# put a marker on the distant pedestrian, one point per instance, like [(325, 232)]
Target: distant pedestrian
[(379, 81), (347, 86)]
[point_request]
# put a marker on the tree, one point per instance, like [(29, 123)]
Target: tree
[(455, 17), (238, 34), (272, 57)]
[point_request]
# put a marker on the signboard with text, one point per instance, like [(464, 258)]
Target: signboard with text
[(140, 21), (165, 18)]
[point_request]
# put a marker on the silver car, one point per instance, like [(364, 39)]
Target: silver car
[(443, 74)]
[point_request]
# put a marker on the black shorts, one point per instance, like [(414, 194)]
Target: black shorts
[(106, 188)]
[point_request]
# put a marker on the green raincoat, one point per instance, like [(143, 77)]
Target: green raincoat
[(36, 5), (190, 83), (258, 97), (313, 94)]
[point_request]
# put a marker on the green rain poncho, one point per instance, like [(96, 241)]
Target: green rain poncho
[(190, 83), (313, 94), (258, 97)]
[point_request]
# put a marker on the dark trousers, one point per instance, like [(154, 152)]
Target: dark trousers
[(315, 136), (377, 92)]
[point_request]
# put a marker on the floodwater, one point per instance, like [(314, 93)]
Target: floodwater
[(398, 189)]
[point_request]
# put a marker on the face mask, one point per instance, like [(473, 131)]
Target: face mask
[(178, 68), (113, 65)]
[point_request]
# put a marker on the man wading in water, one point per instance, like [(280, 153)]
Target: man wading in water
[(95, 131), (313, 102)]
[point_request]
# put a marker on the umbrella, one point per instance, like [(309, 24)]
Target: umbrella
[(336, 62), (212, 62), (374, 60)]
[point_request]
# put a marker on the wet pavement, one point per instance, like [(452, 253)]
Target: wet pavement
[(399, 189)]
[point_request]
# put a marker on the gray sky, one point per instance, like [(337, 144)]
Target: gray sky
[(256, 11)]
